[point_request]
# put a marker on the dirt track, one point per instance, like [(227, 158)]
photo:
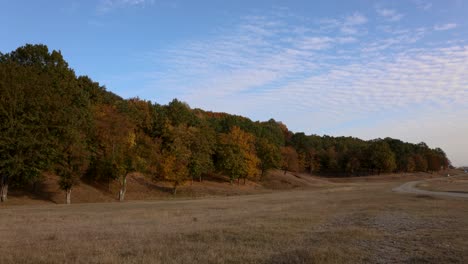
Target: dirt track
[(410, 187)]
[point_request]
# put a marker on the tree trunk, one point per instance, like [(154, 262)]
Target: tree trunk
[(285, 172), (238, 181), (123, 189), (174, 190), (35, 186), (200, 179), (68, 196), (4, 192), (244, 181)]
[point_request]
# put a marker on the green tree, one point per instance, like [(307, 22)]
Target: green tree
[(180, 113), (269, 155), (381, 157), (40, 104), (202, 148), (71, 167), (25, 146)]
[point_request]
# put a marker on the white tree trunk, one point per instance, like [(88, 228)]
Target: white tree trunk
[(123, 189), (4, 192), (121, 195), (68, 192)]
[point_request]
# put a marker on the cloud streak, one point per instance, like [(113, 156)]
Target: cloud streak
[(108, 5), (444, 27), (390, 14)]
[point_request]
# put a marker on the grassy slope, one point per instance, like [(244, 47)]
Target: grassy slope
[(141, 188)]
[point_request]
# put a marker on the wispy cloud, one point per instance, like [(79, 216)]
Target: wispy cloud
[(398, 40), (389, 14), (249, 62), (443, 27), (355, 19), (351, 23), (423, 5), (108, 5), (315, 43)]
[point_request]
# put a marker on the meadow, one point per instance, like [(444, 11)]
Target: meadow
[(357, 220)]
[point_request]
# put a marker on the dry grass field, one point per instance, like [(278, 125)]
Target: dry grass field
[(337, 221), (449, 184)]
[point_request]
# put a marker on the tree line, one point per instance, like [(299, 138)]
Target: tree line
[(52, 120)]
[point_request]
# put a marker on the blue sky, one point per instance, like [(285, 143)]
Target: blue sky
[(360, 68)]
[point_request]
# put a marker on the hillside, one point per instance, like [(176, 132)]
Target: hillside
[(57, 123), (141, 188)]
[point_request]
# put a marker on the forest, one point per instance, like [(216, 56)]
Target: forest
[(53, 121)]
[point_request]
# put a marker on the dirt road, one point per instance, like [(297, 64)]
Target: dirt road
[(411, 187)]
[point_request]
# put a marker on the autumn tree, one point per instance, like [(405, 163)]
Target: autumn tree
[(289, 159), (116, 151), (313, 160), (176, 155), (420, 163), (410, 164), (237, 156)]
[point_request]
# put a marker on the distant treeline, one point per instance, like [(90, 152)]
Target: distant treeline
[(54, 121)]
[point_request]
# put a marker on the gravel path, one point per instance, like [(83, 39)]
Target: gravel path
[(410, 187)]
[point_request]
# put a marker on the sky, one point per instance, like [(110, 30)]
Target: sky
[(368, 69)]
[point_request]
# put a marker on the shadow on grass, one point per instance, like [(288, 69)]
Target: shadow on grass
[(463, 192), (213, 177), (152, 185), (34, 192)]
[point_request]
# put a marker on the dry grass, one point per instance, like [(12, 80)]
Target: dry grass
[(342, 223), (449, 184)]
